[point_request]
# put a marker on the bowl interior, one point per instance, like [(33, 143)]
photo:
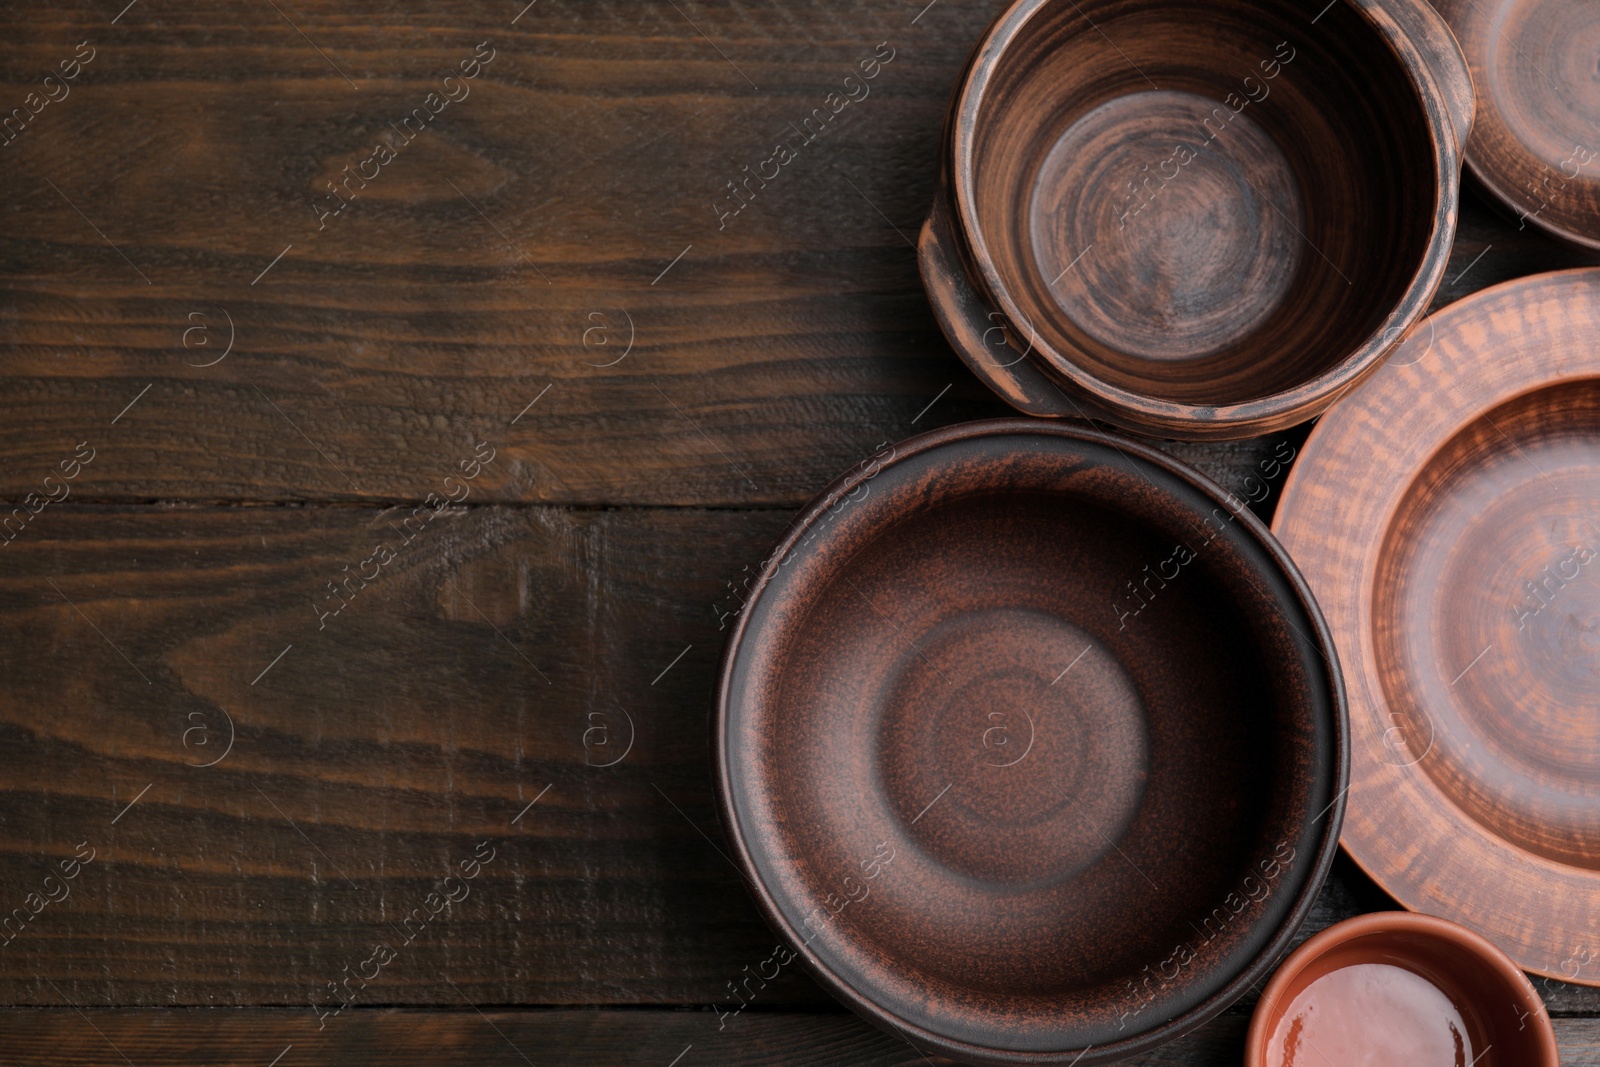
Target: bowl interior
[(1486, 621), (1421, 997), (1534, 143), (1203, 202), (1074, 704)]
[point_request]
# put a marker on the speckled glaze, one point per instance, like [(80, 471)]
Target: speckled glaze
[(1196, 219), (1445, 515), (1031, 742), (1506, 1022), (1536, 145)]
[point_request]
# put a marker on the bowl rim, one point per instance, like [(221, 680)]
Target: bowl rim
[(1328, 839), (1389, 922), (1296, 403), (1496, 181), (1398, 804)]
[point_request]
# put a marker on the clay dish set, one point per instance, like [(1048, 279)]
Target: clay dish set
[(1036, 745)]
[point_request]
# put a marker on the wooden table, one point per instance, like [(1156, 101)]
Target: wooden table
[(382, 604)]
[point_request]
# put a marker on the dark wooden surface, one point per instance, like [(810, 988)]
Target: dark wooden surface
[(501, 1038), (604, 539)]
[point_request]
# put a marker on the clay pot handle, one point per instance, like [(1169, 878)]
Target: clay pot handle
[(978, 333), (1441, 51)]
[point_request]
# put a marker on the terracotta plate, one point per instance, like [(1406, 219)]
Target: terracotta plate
[(1536, 143), (1447, 514), (1030, 744)]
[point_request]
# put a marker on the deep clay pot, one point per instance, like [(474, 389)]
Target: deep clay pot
[(1198, 218), (1031, 744)]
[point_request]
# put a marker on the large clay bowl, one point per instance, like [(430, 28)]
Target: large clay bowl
[(1031, 743), (1420, 991), (1205, 217), (1536, 145), (1445, 513)]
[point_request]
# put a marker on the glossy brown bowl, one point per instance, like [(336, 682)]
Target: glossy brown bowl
[(1032, 744), (1536, 144), (1417, 984), (1204, 218)]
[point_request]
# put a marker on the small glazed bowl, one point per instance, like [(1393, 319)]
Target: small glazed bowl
[(1417, 983), (1032, 743), (1197, 218)]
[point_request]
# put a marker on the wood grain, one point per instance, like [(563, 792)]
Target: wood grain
[(372, 757), (594, 149), (515, 1038)]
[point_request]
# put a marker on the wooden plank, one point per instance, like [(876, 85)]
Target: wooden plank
[(505, 258), (464, 279), (500, 653), (374, 749), (115, 1038)]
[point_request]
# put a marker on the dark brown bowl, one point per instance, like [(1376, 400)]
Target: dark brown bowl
[(1032, 743), (1536, 145), (1424, 985), (1207, 217)]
